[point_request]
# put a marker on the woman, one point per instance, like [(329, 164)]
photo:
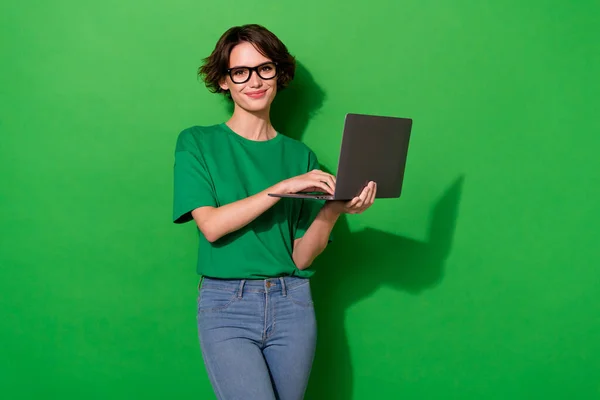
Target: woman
[(256, 320)]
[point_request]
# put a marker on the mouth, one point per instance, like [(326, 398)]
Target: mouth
[(256, 94)]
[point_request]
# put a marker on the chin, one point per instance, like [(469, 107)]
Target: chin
[(255, 105), (258, 107)]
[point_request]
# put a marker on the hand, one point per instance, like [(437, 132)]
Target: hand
[(313, 181), (358, 204)]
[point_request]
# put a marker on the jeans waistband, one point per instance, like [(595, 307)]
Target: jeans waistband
[(269, 285)]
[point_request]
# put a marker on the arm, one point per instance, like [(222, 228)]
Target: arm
[(315, 240), (216, 222)]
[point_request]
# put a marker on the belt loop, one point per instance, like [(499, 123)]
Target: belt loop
[(241, 288), (283, 288)]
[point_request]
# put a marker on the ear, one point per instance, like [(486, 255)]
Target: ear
[(223, 84)]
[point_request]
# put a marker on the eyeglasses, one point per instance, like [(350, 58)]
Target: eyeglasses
[(266, 71)]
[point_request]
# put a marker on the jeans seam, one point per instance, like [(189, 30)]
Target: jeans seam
[(292, 286), (264, 333), (301, 304), (213, 378), (273, 325), (220, 287), (233, 299), (290, 296)]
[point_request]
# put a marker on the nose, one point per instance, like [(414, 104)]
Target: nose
[(255, 80)]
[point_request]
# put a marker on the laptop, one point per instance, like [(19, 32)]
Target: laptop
[(374, 148)]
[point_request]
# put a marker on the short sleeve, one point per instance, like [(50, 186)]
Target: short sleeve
[(309, 207), (192, 184)]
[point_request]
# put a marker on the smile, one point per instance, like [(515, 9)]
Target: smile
[(256, 95)]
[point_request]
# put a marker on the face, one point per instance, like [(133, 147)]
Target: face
[(256, 94)]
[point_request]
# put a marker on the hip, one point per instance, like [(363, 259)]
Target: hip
[(257, 297)]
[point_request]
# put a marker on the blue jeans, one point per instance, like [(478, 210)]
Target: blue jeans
[(257, 337)]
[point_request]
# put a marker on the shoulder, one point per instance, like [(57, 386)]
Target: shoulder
[(298, 147), (191, 138)]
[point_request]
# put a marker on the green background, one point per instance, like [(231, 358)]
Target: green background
[(480, 282)]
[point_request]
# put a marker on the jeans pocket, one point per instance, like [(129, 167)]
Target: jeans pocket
[(213, 299), (301, 295)]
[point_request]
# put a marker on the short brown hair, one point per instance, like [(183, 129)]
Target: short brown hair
[(215, 66)]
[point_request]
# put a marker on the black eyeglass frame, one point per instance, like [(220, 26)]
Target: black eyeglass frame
[(254, 69)]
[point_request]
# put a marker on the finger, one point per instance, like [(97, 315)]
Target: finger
[(358, 205), (374, 193), (311, 189), (365, 197), (320, 172), (350, 206), (326, 188), (330, 179), (317, 184), (369, 194), (366, 193), (333, 178)]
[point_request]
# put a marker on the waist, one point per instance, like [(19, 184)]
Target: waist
[(267, 285)]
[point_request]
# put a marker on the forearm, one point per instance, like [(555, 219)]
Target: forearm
[(315, 239), (216, 222)]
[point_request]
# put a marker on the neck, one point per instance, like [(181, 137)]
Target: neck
[(252, 125)]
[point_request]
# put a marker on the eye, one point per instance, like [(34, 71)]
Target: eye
[(267, 68)]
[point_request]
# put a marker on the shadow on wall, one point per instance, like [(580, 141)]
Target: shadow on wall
[(358, 263), (354, 267)]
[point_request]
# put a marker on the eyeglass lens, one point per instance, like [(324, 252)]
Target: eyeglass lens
[(242, 74)]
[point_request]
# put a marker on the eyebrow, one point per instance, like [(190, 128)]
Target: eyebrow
[(246, 66)]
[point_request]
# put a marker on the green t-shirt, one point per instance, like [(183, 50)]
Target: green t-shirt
[(215, 166)]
